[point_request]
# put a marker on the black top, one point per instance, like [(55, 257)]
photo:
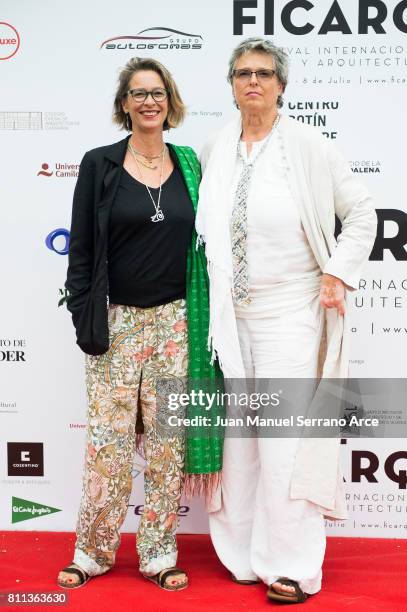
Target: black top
[(147, 260)]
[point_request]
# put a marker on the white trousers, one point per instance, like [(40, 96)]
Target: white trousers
[(260, 532)]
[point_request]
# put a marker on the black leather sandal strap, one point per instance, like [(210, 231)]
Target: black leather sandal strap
[(299, 593), (82, 575)]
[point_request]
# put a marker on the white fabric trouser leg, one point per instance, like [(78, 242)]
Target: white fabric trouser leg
[(260, 531)]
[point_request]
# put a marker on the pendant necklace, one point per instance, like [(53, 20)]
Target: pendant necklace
[(159, 215), (149, 158)]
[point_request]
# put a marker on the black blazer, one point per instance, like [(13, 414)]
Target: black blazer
[(87, 278), (99, 176)]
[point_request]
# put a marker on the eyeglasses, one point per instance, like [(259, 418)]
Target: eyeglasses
[(263, 74), (141, 95)]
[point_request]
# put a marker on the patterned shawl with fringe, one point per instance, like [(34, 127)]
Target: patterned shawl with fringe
[(204, 443)]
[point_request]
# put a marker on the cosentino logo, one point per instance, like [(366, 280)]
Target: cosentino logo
[(299, 17), (9, 41), (59, 170), (25, 458), (154, 38)]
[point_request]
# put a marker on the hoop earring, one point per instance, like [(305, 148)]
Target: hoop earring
[(128, 122)]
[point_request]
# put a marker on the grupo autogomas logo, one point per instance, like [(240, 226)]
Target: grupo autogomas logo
[(154, 38), (9, 41)]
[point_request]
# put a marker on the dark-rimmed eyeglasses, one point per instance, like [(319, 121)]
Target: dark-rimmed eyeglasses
[(141, 95), (263, 74)]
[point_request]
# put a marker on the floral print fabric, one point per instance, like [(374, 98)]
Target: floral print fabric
[(146, 345)]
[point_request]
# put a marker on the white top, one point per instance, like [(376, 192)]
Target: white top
[(283, 271)]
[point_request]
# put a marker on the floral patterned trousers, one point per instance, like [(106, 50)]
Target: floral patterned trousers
[(146, 344)]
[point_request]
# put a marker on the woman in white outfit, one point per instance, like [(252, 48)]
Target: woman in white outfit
[(278, 283)]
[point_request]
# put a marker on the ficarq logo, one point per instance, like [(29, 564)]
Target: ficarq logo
[(24, 510), (296, 17)]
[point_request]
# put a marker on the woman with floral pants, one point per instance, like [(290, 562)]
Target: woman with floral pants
[(145, 345), (133, 243)]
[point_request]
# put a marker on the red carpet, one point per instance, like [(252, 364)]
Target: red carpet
[(359, 574)]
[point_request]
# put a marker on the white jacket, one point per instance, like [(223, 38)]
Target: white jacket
[(323, 185)]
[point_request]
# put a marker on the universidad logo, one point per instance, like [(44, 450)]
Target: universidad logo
[(45, 170), (61, 170)]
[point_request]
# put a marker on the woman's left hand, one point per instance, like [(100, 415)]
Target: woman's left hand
[(332, 294)]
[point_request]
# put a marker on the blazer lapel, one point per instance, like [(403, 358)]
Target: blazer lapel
[(113, 157)]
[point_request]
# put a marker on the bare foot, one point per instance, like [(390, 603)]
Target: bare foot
[(70, 580), (283, 589), (176, 580)]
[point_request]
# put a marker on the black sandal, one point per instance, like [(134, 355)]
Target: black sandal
[(160, 579), (77, 571), (245, 582), (298, 597)]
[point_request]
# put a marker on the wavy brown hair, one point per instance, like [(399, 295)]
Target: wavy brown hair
[(176, 107)]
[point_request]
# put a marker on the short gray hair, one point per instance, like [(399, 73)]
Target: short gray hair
[(262, 45)]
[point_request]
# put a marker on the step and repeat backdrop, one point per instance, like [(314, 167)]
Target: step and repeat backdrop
[(59, 63)]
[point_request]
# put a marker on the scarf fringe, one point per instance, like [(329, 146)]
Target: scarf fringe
[(202, 485)]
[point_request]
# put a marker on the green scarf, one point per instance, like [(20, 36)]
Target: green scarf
[(204, 444)]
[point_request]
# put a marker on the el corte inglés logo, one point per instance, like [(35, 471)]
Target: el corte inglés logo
[(24, 510)]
